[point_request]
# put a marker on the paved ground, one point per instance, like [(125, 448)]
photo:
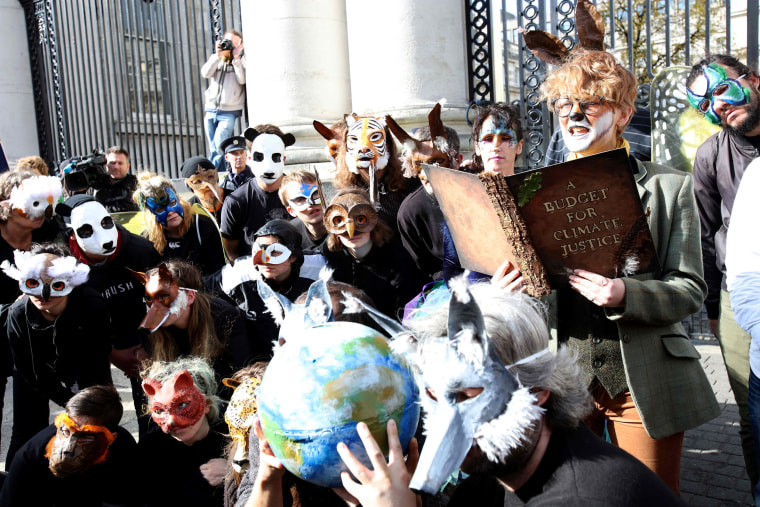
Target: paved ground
[(712, 470)]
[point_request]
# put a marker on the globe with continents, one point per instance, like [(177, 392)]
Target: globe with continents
[(316, 389)]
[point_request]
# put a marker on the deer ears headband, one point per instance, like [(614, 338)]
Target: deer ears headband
[(550, 49)]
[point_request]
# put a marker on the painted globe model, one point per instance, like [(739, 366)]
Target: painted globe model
[(316, 390)]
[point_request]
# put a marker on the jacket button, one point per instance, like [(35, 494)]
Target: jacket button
[(597, 340), (626, 338), (597, 363)]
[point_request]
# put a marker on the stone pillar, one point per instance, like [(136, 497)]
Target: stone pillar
[(296, 61), (407, 55), (17, 124)]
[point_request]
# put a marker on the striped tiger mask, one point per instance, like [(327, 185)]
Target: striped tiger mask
[(366, 145)]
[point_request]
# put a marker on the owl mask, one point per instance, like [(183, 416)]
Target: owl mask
[(350, 213), (496, 412), (36, 197), (175, 404), (267, 154), (76, 448), (162, 296), (45, 275)]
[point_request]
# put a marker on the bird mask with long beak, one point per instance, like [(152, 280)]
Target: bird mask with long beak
[(162, 296)]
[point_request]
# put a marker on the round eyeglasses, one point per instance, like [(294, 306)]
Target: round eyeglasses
[(562, 106)]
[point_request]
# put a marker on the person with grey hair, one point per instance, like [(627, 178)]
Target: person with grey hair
[(503, 408), (184, 462)]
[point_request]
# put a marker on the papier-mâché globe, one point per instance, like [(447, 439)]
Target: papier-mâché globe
[(316, 389)]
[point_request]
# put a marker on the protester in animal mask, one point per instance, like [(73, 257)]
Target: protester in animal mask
[(84, 458), (277, 259), (59, 334), (363, 252), (618, 325), (183, 403), (175, 230), (201, 177), (21, 224), (420, 219), (256, 202), (504, 409), (367, 158), (112, 252), (185, 321)]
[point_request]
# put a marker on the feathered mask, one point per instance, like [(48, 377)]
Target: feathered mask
[(45, 275), (36, 197)]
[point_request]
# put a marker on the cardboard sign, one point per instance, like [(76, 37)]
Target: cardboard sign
[(581, 214)]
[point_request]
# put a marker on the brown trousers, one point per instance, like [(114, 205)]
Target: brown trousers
[(662, 456)]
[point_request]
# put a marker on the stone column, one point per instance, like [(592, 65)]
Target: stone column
[(296, 68), (18, 130), (407, 55)]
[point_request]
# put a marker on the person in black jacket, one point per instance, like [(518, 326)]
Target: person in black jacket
[(184, 462), (59, 334), (363, 252), (175, 230), (277, 260), (92, 460), (185, 321), (112, 253)]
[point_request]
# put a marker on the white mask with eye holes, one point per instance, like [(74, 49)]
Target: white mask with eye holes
[(267, 157), (94, 229)]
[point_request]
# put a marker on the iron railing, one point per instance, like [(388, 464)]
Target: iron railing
[(647, 36), (123, 73)]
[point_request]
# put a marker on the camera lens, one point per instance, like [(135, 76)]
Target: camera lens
[(225, 45)]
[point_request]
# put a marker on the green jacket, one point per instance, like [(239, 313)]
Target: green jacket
[(663, 372)]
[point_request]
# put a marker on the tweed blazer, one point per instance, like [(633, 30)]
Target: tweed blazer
[(666, 380)]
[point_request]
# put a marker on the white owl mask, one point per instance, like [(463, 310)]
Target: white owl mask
[(45, 275), (94, 229), (36, 197)]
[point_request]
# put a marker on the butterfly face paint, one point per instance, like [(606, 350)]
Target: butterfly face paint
[(76, 448), (162, 205), (175, 404), (94, 229), (45, 275), (495, 131), (307, 196), (35, 197), (275, 253), (718, 86)]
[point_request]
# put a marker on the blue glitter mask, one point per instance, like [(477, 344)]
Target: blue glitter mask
[(719, 87), (164, 205)]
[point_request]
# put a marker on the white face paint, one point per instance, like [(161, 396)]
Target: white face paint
[(94, 229), (581, 135), (267, 157)]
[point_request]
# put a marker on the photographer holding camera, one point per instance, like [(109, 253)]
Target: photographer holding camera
[(225, 95), (117, 196)]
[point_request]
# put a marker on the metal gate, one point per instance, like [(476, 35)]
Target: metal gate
[(647, 36), (123, 72)]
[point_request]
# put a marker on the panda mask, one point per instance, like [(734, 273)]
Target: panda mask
[(267, 154), (94, 229)]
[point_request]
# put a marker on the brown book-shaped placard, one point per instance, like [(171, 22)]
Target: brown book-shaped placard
[(581, 214)]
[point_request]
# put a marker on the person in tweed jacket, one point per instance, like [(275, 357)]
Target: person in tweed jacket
[(642, 370)]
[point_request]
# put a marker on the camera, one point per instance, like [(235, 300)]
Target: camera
[(225, 45), (81, 173)]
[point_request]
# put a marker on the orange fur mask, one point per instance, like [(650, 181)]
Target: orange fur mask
[(76, 448)]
